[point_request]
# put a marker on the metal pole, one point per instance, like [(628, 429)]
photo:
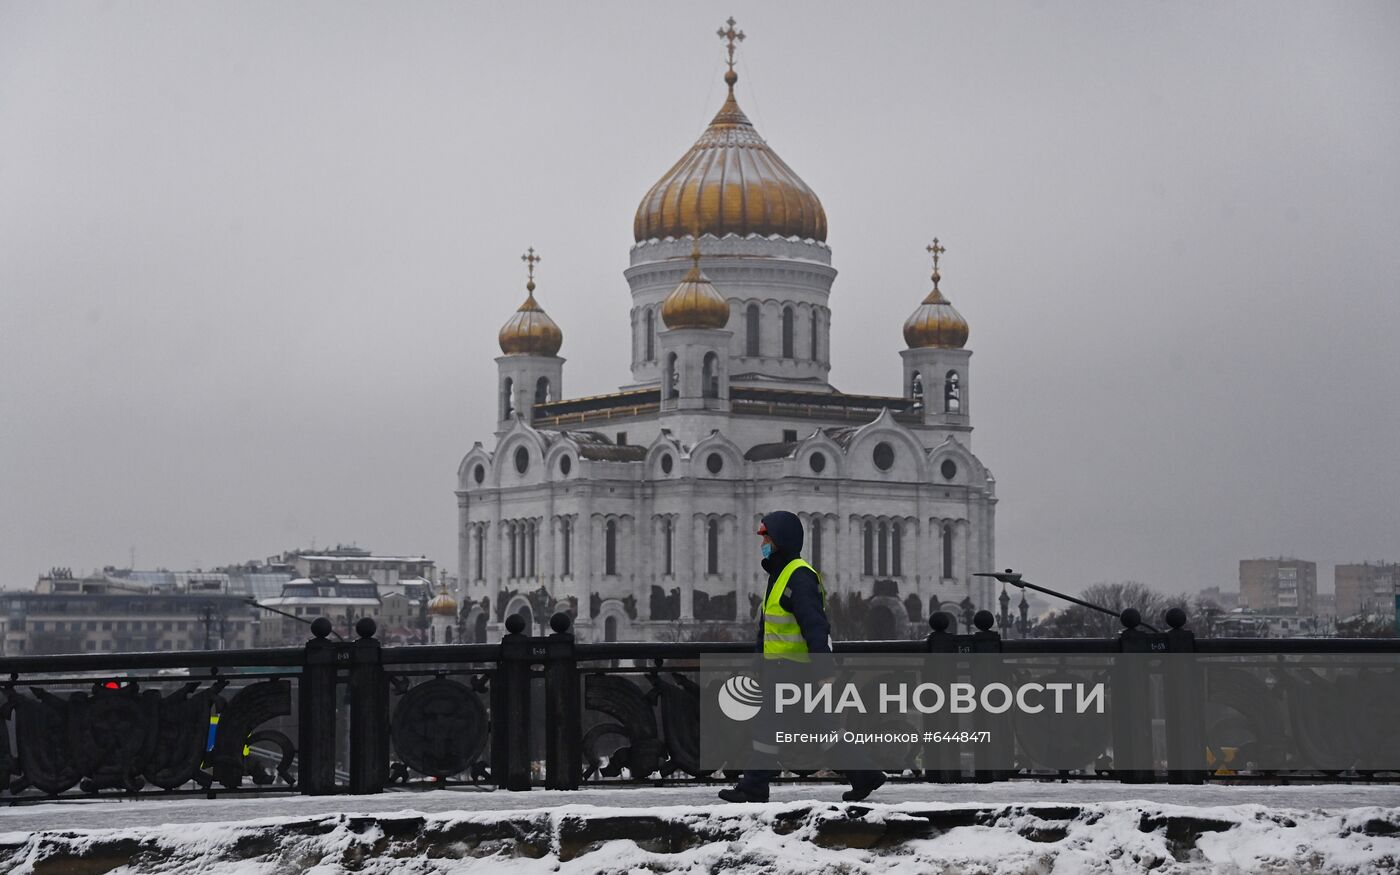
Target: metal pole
[(1013, 578)]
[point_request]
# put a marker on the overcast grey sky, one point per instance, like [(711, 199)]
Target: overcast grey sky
[(254, 256)]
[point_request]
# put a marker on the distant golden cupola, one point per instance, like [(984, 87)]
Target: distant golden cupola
[(530, 331), (935, 324), (442, 604), (730, 182), (695, 303)]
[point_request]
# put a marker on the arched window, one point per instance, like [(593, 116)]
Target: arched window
[(672, 378), (507, 401), (709, 376), (884, 549), (787, 333), (916, 389), (610, 548), (542, 390), (896, 548), (816, 525), (947, 551), (530, 552), (751, 347), (869, 548), (610, 629), (511, 530), (712, 547), (480, 553), (952, 393), (651, 335), (668, 544), (566, 537), (447, 635), (816, 333)]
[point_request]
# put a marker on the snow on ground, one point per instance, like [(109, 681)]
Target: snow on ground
[(1013, 828)]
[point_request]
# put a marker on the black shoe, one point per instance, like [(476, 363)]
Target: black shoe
[(736, 794), (863, 785)]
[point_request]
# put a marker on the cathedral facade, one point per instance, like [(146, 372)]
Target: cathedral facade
[(636, 510)]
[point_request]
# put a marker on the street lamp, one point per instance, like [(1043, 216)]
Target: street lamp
[(968, 609)]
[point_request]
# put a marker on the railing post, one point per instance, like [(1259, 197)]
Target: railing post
[(942, 763), (369, 713), (1185, 704), (1001, 747), (316, 714), (510, 709), (1132, 723), (563, 752)]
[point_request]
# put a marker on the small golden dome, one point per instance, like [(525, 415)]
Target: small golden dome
[(730, 182), (935, 324), (443, 605), (530, 331), (695, 303)]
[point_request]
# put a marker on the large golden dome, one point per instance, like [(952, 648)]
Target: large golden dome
[(695, 303), (730, 182), (530, 331), (935, 323)]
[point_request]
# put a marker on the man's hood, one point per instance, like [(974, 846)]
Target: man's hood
[(786, 531)]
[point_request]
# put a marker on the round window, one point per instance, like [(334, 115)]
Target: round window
[(715, 463), (566, 464), (883, 456), (522, 460), (818, 462), (479, 474), (949, 469), (667, 464)]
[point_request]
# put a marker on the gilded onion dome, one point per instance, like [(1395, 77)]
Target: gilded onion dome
[(730, 182), (935, 323), (695, 303), (530, 331), (443, 605)]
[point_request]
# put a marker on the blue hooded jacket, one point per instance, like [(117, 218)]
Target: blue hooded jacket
[(803, 595)]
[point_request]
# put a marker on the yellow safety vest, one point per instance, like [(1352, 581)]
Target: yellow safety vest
[(782, 636)]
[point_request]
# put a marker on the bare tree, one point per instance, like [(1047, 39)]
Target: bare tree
[(1076, 621)]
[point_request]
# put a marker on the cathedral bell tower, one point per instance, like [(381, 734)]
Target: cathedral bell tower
[(936, 364), (694, 347), (530, 372)]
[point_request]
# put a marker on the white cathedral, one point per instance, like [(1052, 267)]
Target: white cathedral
[(635, 511)]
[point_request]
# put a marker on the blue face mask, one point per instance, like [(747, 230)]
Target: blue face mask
[(766, 550)]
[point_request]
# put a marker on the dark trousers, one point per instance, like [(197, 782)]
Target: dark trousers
[(762, 766)]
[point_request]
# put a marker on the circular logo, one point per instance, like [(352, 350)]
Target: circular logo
[(740, 698)]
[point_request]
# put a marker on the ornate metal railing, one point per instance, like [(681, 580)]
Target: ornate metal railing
[(338, 716)]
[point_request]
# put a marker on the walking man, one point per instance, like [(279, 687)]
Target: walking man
[(792, 625)]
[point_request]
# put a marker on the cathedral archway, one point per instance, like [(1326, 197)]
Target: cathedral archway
[(709, 376)]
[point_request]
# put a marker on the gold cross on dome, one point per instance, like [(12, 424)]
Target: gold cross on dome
[(731, 36), (530, 259), (936, 249)]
